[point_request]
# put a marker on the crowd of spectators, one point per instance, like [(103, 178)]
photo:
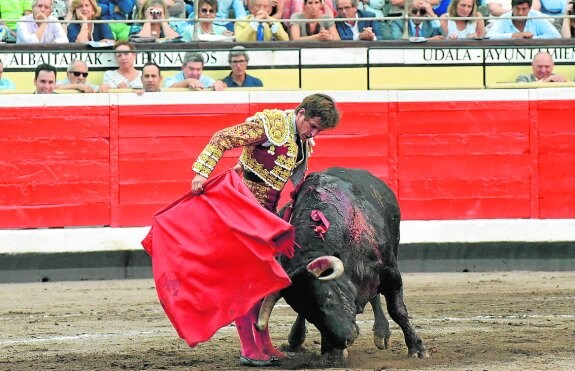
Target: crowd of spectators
[(62, 21), (149, 79)]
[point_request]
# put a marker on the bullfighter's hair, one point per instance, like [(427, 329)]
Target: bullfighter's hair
[(322, 106)]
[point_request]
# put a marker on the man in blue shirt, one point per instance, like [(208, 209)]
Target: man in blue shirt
[(530, 28), (191, 75), (238, 59)]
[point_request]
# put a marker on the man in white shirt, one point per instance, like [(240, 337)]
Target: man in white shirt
[(30, 32)]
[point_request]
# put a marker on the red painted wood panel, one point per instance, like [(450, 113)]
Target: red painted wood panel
[(68, 215), (117, 165), (17, 149), (470, 208), (463, 144), (25, 194), (51, 122)]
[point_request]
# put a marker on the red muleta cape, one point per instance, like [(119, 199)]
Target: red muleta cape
[(213, 256)]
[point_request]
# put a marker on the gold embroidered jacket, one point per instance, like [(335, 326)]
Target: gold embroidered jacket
[(270, 150)]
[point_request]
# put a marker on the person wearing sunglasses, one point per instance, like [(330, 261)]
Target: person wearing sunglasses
[(208, 10), (422, 23), (259, 25), (155, 12), (77, 78)]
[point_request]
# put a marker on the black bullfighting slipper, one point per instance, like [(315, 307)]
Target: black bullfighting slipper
[(245, 361)]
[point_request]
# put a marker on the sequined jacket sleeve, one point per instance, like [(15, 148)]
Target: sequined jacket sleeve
[(248, 133)]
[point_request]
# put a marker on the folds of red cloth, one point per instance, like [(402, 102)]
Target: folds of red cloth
[(213, 256)]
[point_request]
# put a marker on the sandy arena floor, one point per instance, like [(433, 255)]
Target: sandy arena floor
[(469, 321)]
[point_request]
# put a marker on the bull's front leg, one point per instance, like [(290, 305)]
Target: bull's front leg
[(297, 334), (393, 292), (381, 331)]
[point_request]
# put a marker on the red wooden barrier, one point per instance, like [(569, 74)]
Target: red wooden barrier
[(64, 162)]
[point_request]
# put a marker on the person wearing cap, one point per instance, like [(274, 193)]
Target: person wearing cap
[(191, 76), (238, 59), (76, 79)]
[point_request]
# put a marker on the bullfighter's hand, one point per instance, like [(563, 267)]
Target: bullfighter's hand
[(198, 184), (238, 169)]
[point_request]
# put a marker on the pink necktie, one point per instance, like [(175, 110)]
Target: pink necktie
[(417, 31)]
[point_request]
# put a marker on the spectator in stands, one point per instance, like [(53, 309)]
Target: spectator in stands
[(291, 7), (153, 10), (277, 9), (397, 7), (441, 7), (497, 8), (207, 9), (238, 59), (223, 12), (191, 76), (261, 27), (13, 10), (126, 76), (29, 32), (357, 29), (60, 9), (462, 29), (86, 10), (77, 76), (118, 10), (542, 67), (530, 28), (5, 83), (45, 79), (320, 28), (568, 26), (151, 77), (381, 9), (553, 8), (417, 27)]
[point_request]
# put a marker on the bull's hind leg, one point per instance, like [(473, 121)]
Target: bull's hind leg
[(297, 333), (392, 289), (381, 332)]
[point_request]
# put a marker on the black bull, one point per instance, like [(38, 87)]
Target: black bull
[(337, 271)]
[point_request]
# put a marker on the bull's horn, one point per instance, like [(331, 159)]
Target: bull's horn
[(266, 310), (322, 264)]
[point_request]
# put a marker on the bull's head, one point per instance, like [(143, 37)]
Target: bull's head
[(325, 296)]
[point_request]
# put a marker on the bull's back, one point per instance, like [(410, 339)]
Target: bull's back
[(348, 198)]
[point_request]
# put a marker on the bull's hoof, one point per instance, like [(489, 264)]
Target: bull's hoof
[(418, 353), (381, 343)]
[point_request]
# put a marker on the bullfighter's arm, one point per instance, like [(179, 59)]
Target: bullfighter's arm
[(248, 133)]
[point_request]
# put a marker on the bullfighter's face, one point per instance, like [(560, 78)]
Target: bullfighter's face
[(307, 127)]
